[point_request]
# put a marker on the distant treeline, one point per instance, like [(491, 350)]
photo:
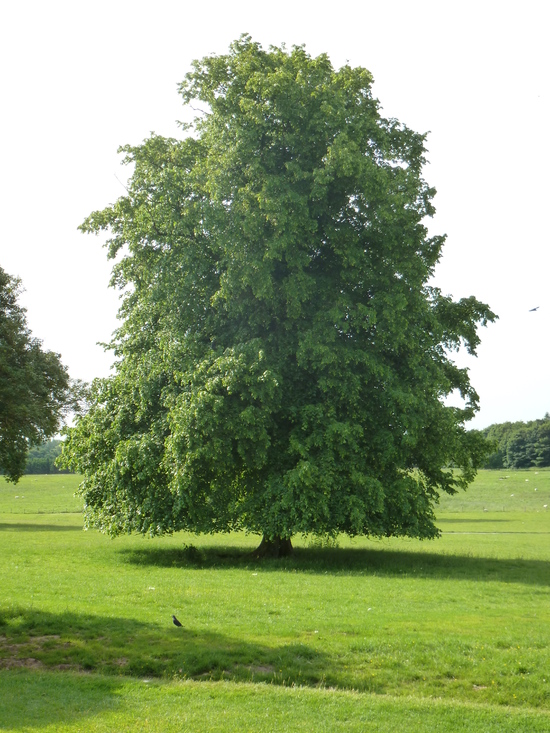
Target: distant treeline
[(520, 444), (42, 458)]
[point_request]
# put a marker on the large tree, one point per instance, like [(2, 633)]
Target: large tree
[(35, 388), (282, 361)]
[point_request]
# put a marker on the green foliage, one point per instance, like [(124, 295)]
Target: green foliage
[(519, 444), (282, 361), (34, 385)]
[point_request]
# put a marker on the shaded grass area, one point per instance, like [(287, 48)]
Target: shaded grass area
[(51, 701), (382, 561), (35, 526), (124, 646)]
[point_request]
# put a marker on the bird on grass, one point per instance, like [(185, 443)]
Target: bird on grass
[(176, 622)]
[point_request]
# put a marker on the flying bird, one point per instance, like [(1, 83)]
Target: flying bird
[(534, 309), (175, 620)]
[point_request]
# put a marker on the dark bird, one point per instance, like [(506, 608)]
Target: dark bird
[(534, 309), (175, 620)]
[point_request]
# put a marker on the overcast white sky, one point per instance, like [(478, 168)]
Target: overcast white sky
[(78, 79)]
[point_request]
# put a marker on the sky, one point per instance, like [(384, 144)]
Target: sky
[(80, 79)]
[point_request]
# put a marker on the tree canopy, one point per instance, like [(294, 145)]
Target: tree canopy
[(34, 384), (282, 361)]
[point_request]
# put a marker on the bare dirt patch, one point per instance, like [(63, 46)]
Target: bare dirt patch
[(261, 668), (20, 663), (19, 654)]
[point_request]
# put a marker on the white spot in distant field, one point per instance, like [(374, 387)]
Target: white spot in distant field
[(151, 588), (536, 473), (369, 609), (536, 489), (17, 497), (511, 494), (315, 632), (545, 506), (254, 573), (526, 480)]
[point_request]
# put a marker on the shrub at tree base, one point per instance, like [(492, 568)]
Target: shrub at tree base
[(281, 361)]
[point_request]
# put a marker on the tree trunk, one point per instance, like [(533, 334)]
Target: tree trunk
[(275, 547)]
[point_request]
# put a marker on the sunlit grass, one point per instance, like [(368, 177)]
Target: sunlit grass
[(63, 703), (510, 490), (35, 494)]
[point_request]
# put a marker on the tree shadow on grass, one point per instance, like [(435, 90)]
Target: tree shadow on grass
[(456, 520), (28, 527), (351, 561), (59, 668), (41, 641)]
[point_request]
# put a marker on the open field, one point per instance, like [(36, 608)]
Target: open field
[(525, 490), (53, 494), (450, 635)]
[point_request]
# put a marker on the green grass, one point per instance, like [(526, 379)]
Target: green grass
[(66, 703), (53, 494), (511, 490), (449, 635)]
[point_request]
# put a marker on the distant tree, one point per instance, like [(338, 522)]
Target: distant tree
[(34, 385), (499, 434), (520, 451), (542, 443), (519, 444), (282, 362), (42, 459)]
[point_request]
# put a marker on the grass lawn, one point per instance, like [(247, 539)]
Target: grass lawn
[(52, 494), (449, 635)]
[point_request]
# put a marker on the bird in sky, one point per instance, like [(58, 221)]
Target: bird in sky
[(534, 309), (175, 620)]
